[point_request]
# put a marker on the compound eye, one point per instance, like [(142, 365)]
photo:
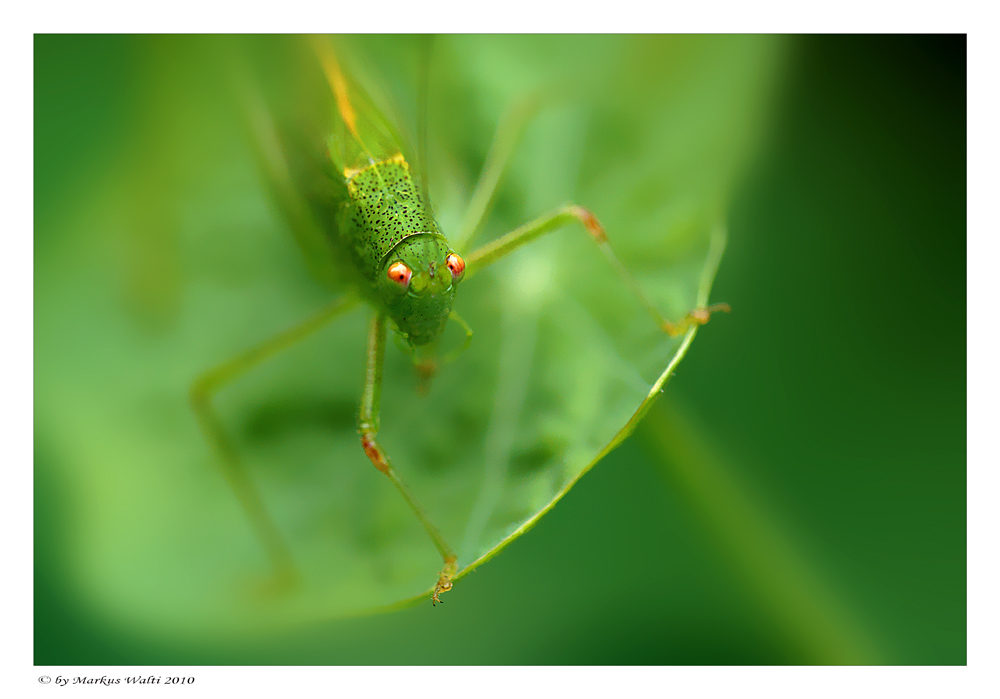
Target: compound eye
[(457, 266), (400, 274)]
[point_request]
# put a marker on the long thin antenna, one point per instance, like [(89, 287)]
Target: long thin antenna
[(423, 88)]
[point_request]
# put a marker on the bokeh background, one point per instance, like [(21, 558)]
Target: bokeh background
[(796, 496)]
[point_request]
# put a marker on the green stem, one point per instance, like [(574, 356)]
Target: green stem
[(791, 589)]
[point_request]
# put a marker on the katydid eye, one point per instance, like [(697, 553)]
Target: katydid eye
[(457, 266), (399, 273)]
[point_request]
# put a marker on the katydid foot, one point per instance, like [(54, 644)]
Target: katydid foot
[(698, 316), (444, 580)]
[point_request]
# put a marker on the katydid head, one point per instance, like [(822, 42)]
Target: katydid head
[(418, 284)]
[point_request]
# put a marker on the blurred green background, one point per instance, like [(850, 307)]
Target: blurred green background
[(797, 495)]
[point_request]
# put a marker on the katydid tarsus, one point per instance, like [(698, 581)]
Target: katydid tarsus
[(348, 192)]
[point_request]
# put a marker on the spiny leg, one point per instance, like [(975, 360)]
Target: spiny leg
[(490, 253), (504, 140), (214, 380), (368, 427)]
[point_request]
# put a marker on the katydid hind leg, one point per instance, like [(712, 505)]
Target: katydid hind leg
[(204, 389)]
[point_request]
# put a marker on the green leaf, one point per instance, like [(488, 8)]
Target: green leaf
[(172, 259)]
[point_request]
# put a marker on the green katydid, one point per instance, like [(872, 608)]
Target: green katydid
[(359, 212)]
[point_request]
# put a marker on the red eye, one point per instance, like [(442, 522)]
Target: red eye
[(457, 266), (399, 273)]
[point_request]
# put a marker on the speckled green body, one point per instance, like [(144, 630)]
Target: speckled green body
[(386, 220), (385, 208), (355, 205)]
